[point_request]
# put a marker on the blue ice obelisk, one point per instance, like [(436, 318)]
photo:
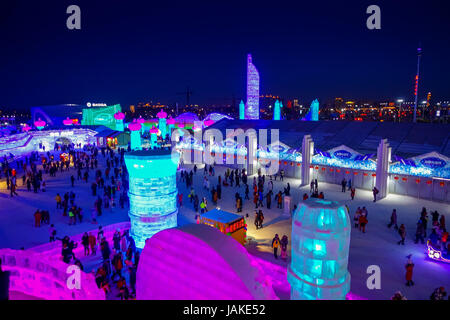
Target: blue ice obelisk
[(241, 110), (313, 114), (277, 110)]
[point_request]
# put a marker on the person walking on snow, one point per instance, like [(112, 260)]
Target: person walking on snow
[(402, 233), (275, 245), (409, 271), (393, 220)]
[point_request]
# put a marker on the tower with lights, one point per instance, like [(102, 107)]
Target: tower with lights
[(252, 107), (152, 192), (416, 88)]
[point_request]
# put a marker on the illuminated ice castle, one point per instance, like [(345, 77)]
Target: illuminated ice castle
[(320, 248), (152, 193), (252, 107)]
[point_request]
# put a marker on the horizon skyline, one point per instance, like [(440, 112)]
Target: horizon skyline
[(122, 55)]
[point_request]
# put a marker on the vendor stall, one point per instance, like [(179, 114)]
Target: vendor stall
[(227, 222)]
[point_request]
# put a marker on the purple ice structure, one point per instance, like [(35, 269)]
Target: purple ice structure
[(198, 262), (252, 107)]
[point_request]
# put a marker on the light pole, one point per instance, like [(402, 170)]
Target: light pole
[(416, 91), (400, 102)]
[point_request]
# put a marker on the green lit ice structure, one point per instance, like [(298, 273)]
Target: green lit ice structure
[(320, 249)]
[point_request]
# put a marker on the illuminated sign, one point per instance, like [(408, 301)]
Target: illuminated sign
[(342, 154), (433, 162), (89, 104)]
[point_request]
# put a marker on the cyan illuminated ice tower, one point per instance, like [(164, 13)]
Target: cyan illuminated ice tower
[(277, 110), (241, 110), (152, 192), (313, 114), (252, 107), (320, 247)]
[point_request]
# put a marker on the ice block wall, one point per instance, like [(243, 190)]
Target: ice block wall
[(320, 248), (152, 192)]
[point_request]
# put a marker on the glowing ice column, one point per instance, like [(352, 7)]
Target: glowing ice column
[(141, 121), (320, 248), (135, 129), (241, 110), (152, 193), (153, 135), (383, 159), (277, 111), (162, 124), (171, 123), (313, 114), (252, 108), (307, 153), (119, 116)]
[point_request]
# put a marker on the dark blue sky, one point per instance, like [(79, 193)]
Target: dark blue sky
[(130, 51)]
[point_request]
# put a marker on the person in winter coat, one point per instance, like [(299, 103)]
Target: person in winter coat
[(362, 223), (375, 193), (93, 244), (402, 233), (260, 218), (438, 294), (284, 244), (256, 220), (420, 232), (275, 245), (104, 247), (409, 271), (357, 216), (398, 296), (393, 220), (116, 240), (85, 243)]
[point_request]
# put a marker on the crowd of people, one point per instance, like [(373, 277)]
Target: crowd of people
[(109, 186)]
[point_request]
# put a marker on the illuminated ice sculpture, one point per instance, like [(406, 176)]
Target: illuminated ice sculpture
[(241, 110), (277, 110), (171, 124), (252, 108), (162, 123), (320, 248), (198, 262), (40, 124), (313, 114), (135, 129), (119, 116), (152, 192), (154, 136)]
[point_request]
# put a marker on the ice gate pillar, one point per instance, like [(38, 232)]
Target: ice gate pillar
[(152, 192), (383, 159), (307, 153), (320, 248)]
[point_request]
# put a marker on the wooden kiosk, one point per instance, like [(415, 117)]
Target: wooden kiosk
[(227, 222)]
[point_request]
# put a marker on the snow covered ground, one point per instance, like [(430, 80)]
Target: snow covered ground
[(378, 246)]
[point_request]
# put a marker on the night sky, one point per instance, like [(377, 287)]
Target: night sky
[(131, 51)]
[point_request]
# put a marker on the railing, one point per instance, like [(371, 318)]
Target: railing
[(36, 276), (52, 250)]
